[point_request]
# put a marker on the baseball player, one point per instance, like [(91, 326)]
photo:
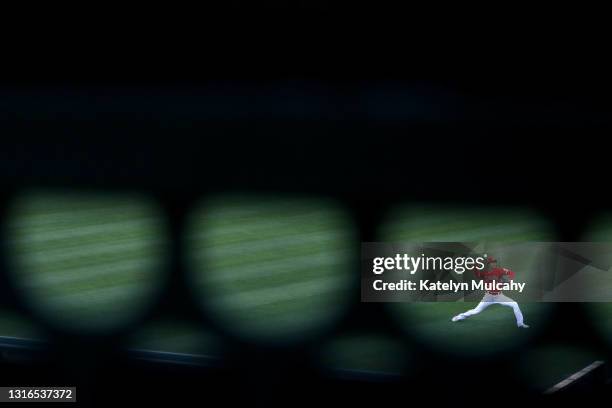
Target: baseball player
[(492, 273)]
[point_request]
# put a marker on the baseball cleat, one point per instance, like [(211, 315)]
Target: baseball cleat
[(457, 318), (523, 326)]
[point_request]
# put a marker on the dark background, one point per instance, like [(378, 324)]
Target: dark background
[(369, 143), (305, 118)]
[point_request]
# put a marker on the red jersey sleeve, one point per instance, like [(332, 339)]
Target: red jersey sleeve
[(507, 272), (478, 272)]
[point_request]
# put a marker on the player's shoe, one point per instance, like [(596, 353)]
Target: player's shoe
[(457, 318), (523, 326)]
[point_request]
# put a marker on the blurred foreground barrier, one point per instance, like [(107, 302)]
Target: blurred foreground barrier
[(590, 377)]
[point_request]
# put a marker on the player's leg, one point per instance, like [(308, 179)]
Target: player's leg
[(479, 308), (506, 301)]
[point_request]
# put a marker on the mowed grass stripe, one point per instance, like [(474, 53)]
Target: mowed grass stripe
[(261, 241), (95, 263), (102, 252), (466, 225), (272, 244), (286, 248), (276, 270), (502, 234), (130, 228), (46, 207), (83, 218), (317, 263), (289, 292), (84, 262), (119, 295), (136, 276), (286, 276), (501, 237), (471, 232), (261, 229), (111, 270), (153, 240), (34, 264), (315, 248)]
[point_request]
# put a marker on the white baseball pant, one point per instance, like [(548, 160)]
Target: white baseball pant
[(499, 299)]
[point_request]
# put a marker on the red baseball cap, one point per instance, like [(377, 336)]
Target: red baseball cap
[(491, 260)]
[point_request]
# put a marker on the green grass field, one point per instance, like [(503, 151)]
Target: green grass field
[(86, 262), (502, 233), (491, 331), (272, 270), (268, 269), (366, 352)]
